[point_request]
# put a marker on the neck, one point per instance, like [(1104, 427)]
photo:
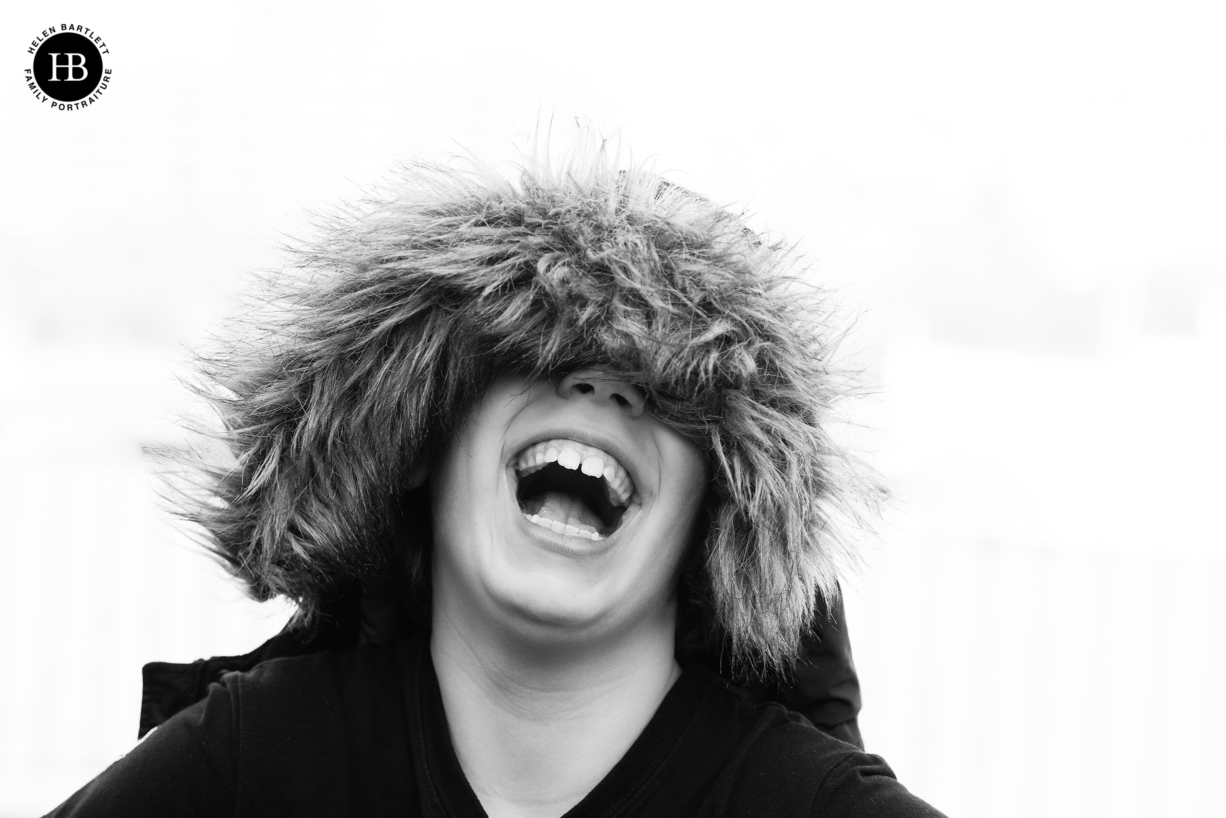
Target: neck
[(536, 728)]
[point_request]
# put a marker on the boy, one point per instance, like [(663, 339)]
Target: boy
[(567, 434)]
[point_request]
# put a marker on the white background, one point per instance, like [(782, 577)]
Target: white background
[(1025, 203)]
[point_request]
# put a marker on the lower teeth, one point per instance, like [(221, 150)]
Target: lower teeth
[(563, 528)]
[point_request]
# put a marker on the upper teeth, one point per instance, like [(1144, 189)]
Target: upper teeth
[(575, 456)]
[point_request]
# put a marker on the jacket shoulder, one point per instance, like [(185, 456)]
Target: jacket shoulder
[(294, 698), (786, 766), (314, 732)]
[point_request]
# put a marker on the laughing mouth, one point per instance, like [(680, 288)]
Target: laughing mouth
[(572, 488)]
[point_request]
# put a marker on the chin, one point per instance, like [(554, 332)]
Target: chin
[(543, 587), (551, 608)]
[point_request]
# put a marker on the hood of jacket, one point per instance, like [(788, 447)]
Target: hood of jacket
[(384, 331)]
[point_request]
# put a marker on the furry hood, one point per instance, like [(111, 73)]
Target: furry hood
[(386, 331)]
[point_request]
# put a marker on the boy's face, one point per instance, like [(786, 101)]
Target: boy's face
[(562, 507)]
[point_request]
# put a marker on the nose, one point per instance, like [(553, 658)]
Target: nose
[(603, 388)]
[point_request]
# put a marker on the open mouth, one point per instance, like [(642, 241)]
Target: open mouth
[(573, 489)]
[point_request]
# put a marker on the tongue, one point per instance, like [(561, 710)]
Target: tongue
[(564, 508)]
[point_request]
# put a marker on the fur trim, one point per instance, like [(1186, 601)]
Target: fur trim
[(388, 330)]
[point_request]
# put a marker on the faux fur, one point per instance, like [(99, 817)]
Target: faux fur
[(388, 329)]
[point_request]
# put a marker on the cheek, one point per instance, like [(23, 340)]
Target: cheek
[(687, 472), (445, 512), (685, 486), (455, 483)]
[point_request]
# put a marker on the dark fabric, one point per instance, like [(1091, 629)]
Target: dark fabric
[(823, 686), (169, 687), (362, 732)]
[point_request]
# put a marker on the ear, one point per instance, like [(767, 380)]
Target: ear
[(417, 477)]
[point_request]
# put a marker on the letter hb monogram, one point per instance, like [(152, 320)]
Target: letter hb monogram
[(71, 65)]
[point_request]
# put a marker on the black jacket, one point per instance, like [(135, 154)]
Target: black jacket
[(362, 732)]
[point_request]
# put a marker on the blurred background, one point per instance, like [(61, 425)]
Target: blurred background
[(1024, 205)]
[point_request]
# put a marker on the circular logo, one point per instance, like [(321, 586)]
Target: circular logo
[(68, 70)]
